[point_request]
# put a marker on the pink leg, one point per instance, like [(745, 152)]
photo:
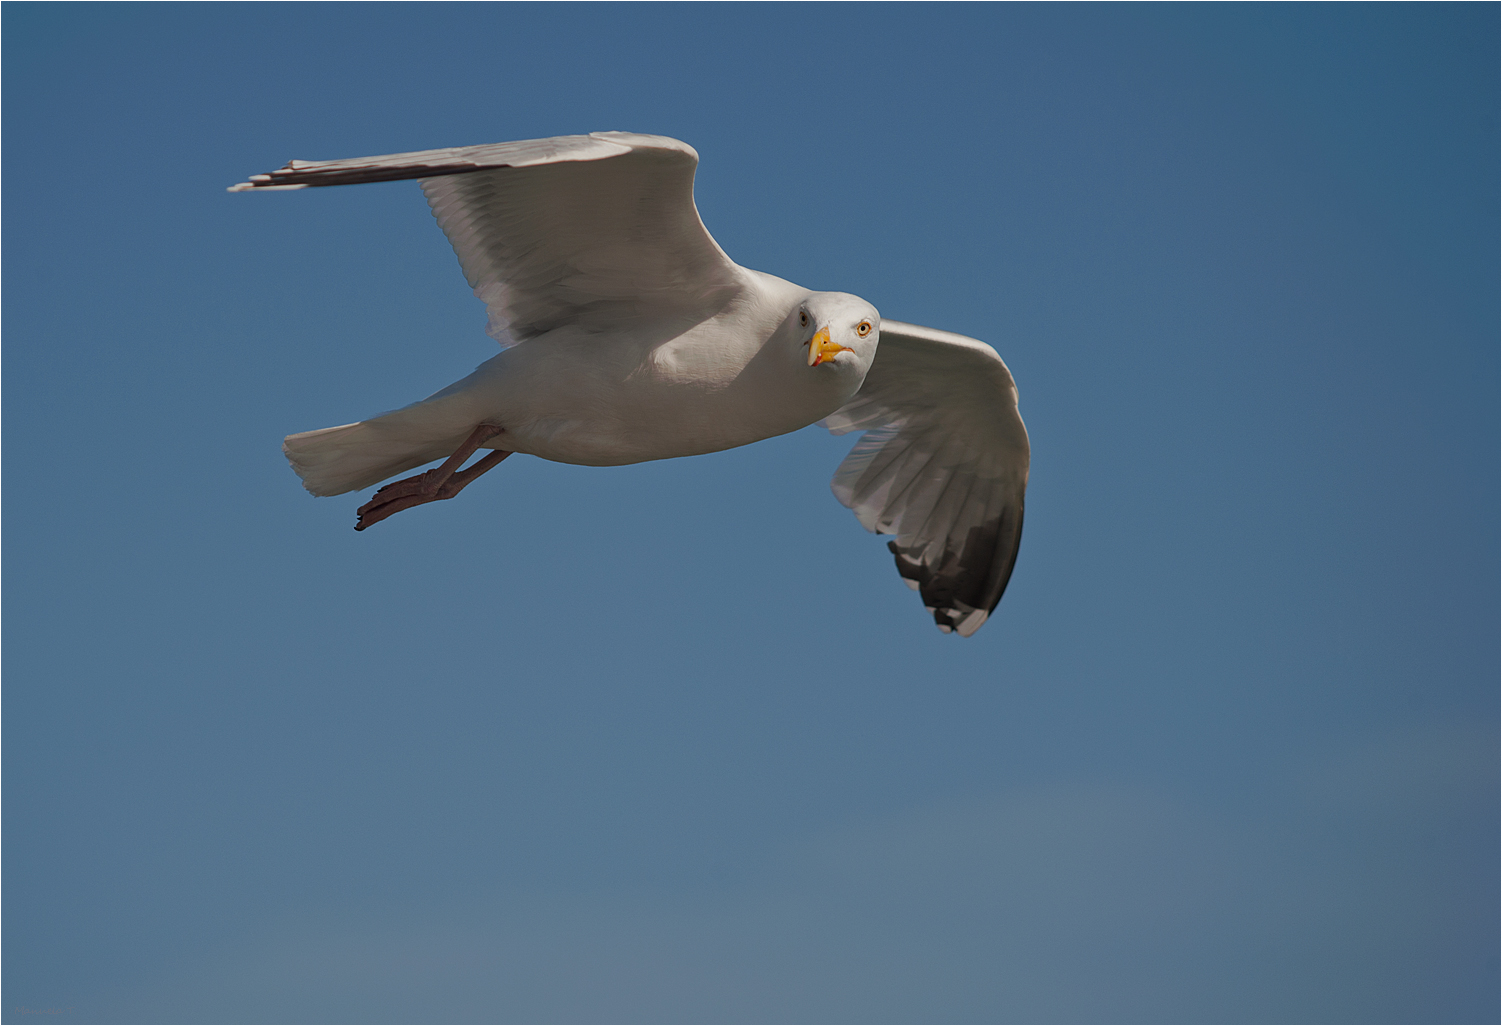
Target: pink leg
[(445, 482)]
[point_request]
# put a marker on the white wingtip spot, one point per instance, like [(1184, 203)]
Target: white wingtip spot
[(972, 623), (911, 584), (252, 187), (945, 628)]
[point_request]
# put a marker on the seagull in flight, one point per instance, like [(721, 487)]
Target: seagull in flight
[(628, 335)]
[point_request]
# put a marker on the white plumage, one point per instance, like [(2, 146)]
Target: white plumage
[(629, 335)]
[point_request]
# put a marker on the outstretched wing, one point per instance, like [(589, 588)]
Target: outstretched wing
[(942, 465), (594, 230)]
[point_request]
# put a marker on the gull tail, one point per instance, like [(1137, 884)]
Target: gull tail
[(341, 459)]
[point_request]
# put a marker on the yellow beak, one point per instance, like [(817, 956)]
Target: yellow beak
[(822, 350)]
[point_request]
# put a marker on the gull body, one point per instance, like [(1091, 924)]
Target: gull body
[(628, 335), (737, 377)]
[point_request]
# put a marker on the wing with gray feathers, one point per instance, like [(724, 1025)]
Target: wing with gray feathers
[(942, 465), (590, 230)]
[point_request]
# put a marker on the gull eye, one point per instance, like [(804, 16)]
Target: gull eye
[(863, 328), (803, 317)]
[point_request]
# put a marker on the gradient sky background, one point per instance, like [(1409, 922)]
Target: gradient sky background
[(673, 742)]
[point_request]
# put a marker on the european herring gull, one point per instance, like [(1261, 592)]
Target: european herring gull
[(628, 335)]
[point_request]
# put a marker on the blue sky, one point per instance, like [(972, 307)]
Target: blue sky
[(567, 748)]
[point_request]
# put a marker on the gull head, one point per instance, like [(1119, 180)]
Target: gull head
[(837, 333)]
